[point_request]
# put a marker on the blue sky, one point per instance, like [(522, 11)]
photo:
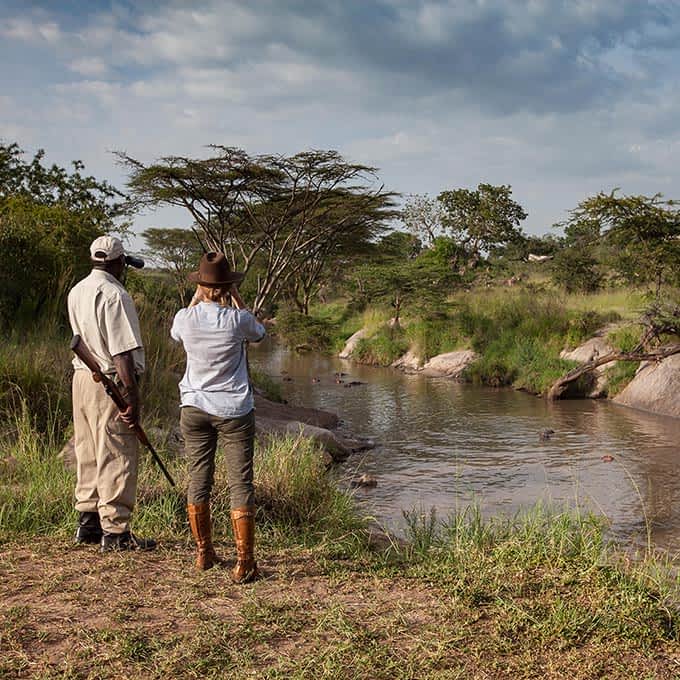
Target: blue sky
[(560, 99)]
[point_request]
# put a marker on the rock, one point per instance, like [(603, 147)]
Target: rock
[(409, 362), (655, 388), (449, 365), (352, 342), (591, 349), (274, 418), (264, 408), (337, 449)]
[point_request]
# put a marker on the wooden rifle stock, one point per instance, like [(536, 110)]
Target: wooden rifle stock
[(83, 353)]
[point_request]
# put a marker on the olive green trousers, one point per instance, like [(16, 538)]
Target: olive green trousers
[(201, 432)]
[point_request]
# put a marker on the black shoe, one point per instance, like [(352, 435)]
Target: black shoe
[(125, 541), (89, 529)]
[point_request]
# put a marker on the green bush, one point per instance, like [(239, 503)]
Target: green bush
[(387, 345), (585, 324), (619, 375), (576, 271), (430, 337), (626, 338), (300, 330)]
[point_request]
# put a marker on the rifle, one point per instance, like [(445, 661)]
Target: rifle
[(83, 353)]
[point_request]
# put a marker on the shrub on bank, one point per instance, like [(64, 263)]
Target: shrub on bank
[(300, 330), (382, 348), (430, 337)]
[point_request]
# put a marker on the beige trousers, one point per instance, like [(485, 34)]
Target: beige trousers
[(106, 456)]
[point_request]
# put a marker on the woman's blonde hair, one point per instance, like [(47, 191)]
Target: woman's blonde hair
[(219, 294)]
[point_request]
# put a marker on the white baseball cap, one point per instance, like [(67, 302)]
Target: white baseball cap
[(106, 249)]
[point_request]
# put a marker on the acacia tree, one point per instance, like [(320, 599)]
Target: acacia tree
[(422, 217), (272, 211), (357, 220), (482, 219), (176, 250), (641, 232)]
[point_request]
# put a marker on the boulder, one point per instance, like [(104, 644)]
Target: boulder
[(450, 364), (337, 449), (351, 343), (591, 349), (272, 410), (409, 362), (655, 388)]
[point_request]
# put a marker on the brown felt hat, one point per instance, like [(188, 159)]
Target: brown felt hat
[(214, 270)]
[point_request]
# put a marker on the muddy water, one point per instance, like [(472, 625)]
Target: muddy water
[(442, 444)]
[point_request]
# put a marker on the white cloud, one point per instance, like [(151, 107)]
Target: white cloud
[(30, 30), (89, 66)]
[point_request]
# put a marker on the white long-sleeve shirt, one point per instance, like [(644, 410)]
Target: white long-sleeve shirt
[(216, 378)]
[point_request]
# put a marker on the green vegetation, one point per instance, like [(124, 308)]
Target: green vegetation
[(48, 218), (619, 375)]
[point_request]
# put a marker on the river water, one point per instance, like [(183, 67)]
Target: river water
[(446, 445)]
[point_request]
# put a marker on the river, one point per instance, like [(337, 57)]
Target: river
[(446, 445)]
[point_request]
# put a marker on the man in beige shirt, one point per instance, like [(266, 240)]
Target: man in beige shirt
[(103, 314)]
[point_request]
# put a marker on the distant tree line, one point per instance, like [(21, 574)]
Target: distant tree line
[(311, 226)]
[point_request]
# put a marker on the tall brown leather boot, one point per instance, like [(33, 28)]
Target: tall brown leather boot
[(243, 524), (201, 528)]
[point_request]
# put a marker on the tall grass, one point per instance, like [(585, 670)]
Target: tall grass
[(547, 572), (36, 489), (297, 497), (382, 348)]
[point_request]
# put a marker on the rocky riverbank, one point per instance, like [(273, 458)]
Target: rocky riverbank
[(655, 386)]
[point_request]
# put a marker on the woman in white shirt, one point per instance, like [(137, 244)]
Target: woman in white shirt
[(217, 401)]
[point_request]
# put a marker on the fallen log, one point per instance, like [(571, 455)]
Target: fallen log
[(558, 388)]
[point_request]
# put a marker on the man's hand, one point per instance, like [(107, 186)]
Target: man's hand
[(130, 416), (125, 368)]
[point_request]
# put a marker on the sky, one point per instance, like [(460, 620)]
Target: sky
[(559, 99)]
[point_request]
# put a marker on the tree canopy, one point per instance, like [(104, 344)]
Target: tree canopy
[(176, 250), (642, 234), (284, 216), (481, 219), (48, 218)]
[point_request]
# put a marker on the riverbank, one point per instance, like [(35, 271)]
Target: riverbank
[(526, 337), (524, 610), (539, 595)]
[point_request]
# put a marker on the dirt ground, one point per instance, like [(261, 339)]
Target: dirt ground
[(70, 612)]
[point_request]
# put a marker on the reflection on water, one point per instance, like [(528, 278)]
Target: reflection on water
[(445, 445)]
